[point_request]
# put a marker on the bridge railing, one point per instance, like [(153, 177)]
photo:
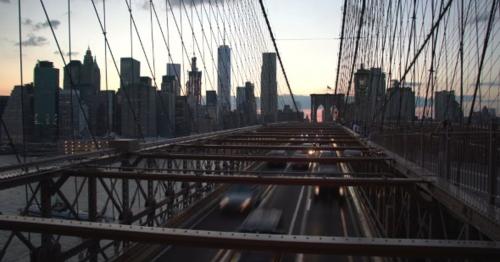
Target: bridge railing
[(466, 158)]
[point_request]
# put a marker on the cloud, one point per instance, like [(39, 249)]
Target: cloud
[(55, 24), (27, 22), (5, 1), (41, 25), (34, 40), (73, 53)]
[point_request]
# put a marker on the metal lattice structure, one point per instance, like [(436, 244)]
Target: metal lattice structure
[(141, 196)]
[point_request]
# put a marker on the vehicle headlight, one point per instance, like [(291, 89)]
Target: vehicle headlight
[(316, 190), (223, 202), (310, 152), (245, 204)]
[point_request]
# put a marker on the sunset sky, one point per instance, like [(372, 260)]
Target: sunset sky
[(310, 63)]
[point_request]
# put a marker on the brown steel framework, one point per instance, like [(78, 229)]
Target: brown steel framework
[(143, 194)]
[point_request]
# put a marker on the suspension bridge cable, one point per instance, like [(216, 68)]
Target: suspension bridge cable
[(264, 13), (61, 54)]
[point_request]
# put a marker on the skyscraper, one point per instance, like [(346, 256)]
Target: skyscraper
[(18, 115), (194, 87), (90, 80), (246, 104), (211, 97), (137, 102), (130, 71), (446, 107), (400, 103), (269, 88), (211, 107), (369, 92), (71, 119), (73, 69), (223, 79), (46, 82), (174, 70), (86, 80), (3, 104), (240, 97)]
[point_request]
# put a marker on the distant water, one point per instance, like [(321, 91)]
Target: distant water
[(11, 200)]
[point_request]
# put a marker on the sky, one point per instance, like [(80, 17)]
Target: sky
[(310, 64)]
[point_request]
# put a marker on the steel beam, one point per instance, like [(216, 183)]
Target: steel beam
[(275, 243), (284, 141), (263, 158), (251, 179), (272, 147), (240, 172), (296, 136)]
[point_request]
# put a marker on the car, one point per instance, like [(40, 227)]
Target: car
[(310, 150), (277, 163), (301, 166), (262, 220), (328, 170), (240, 198)]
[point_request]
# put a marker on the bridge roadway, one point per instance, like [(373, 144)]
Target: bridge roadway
[(302, 215), (380, 217)]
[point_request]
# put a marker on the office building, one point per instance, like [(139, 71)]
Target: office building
[(46, 82), (86, 79), (269, 88), (369, 93), (3, 104), (246, 104), (18, 115), (224, 79), (90, 80), (194, 88), (105, 113), (72, 123), (400, 105), (174, 70), (165, 112), (182, 116), (130, 71), (211, 97), (446, 107), (137, 105), (211, 108)]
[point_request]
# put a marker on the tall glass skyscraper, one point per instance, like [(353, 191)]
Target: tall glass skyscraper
[(269, 88), (224, 79), (46, 82)]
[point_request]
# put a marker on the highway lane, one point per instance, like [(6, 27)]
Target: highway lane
[(301, 214), (213, 220)]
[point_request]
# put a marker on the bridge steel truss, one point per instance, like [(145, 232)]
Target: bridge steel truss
[(116, 201)]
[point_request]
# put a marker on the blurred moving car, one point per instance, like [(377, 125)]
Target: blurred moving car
[(301, 166), (277, 164), (310, 150), (331, 170), (262, 220), (240, 198)]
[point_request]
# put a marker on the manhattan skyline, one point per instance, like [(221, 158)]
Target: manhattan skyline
[(38, 43)]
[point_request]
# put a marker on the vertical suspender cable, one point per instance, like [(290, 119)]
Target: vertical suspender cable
[(355, 56), (485, 47), (340, 49)]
